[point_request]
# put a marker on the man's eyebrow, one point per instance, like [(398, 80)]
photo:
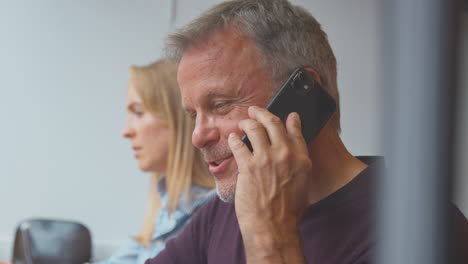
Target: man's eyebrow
[(208, 96), (212, 94)]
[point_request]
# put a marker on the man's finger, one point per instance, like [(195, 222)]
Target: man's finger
[(273, 125), (294, 130), (256, 133), (240, 151)]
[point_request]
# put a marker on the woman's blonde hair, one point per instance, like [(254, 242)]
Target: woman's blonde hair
[(156, 84)]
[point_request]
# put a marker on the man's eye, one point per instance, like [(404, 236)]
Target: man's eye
[(221, 108), (220, 105)]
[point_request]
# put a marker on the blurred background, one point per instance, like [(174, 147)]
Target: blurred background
[(64, 72)]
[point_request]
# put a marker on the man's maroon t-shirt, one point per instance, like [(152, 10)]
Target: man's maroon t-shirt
[(337, 229)]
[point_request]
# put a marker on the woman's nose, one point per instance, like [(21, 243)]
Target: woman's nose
[(128, 130)]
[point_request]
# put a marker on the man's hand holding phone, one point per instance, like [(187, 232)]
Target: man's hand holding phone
[(275, 167), (271, 191)]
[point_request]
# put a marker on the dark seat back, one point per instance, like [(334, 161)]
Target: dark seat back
[(47, 241)]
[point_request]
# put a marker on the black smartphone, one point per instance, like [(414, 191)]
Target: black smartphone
[(301, 93)]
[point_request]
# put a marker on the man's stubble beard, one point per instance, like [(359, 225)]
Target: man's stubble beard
[(227, 192)]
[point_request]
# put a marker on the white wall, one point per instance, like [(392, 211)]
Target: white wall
[(63, 69)]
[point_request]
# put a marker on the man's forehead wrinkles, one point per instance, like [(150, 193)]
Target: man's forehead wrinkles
[(219, 71), (233, 51), (211, 62), (214, 94)]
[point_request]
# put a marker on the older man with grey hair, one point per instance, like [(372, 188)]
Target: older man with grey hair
[(285, 202)]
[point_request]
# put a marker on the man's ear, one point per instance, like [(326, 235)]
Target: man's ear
[(314, 74)]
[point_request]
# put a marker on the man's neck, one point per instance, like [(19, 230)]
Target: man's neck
[(333, 165)]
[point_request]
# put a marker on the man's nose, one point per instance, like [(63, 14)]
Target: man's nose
[(205, 132)]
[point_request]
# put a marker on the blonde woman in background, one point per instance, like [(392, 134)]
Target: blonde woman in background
[(160, 133)]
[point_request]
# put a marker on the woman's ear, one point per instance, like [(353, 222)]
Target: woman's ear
[(314, 74)]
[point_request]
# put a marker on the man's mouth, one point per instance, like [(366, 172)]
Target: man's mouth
[(218, 162), (217, 167)]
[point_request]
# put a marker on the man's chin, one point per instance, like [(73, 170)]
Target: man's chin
[(226, 190)]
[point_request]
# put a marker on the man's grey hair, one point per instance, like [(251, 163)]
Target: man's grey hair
[(286, 37)]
